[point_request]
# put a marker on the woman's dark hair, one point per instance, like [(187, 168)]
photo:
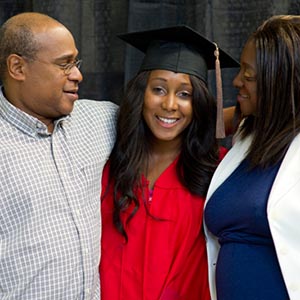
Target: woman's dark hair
[(199, 154), (277, 119)]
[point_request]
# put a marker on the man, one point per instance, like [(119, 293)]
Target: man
[(53, 149)]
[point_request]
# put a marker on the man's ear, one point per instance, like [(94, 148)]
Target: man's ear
[(15, 67)]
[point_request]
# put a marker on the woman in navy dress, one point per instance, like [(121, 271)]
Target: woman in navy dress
[(253, 204)]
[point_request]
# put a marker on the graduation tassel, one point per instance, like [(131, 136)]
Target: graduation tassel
[(220, 129)]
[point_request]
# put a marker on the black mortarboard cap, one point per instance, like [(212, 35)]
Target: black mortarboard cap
[(183, 50), (179, 49)]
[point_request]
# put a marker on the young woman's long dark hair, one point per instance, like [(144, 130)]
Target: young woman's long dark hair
[(277, 119), (198, 158)]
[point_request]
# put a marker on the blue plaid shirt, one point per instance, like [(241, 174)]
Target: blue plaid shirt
[(50, 201)]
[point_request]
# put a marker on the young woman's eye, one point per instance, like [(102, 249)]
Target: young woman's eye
[(158, 90), (185, 95)]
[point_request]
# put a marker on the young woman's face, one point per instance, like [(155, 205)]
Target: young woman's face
[(245, 80), (168, 104)]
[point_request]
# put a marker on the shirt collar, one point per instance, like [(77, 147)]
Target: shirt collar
[(23, 121)]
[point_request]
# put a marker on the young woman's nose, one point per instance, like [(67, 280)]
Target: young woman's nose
[(170, 102)]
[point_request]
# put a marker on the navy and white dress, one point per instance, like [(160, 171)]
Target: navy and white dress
[(247, 266)]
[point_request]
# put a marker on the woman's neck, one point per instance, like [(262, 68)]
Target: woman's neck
[(161, 155)]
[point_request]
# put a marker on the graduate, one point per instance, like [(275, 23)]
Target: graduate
[(156, 179)]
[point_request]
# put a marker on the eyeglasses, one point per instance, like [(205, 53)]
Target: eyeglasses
[(66, 67)]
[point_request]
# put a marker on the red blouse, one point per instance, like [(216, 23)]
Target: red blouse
[(165, 257)]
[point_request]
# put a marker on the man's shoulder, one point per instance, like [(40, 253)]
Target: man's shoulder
[(94, 114), (94, 109)]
